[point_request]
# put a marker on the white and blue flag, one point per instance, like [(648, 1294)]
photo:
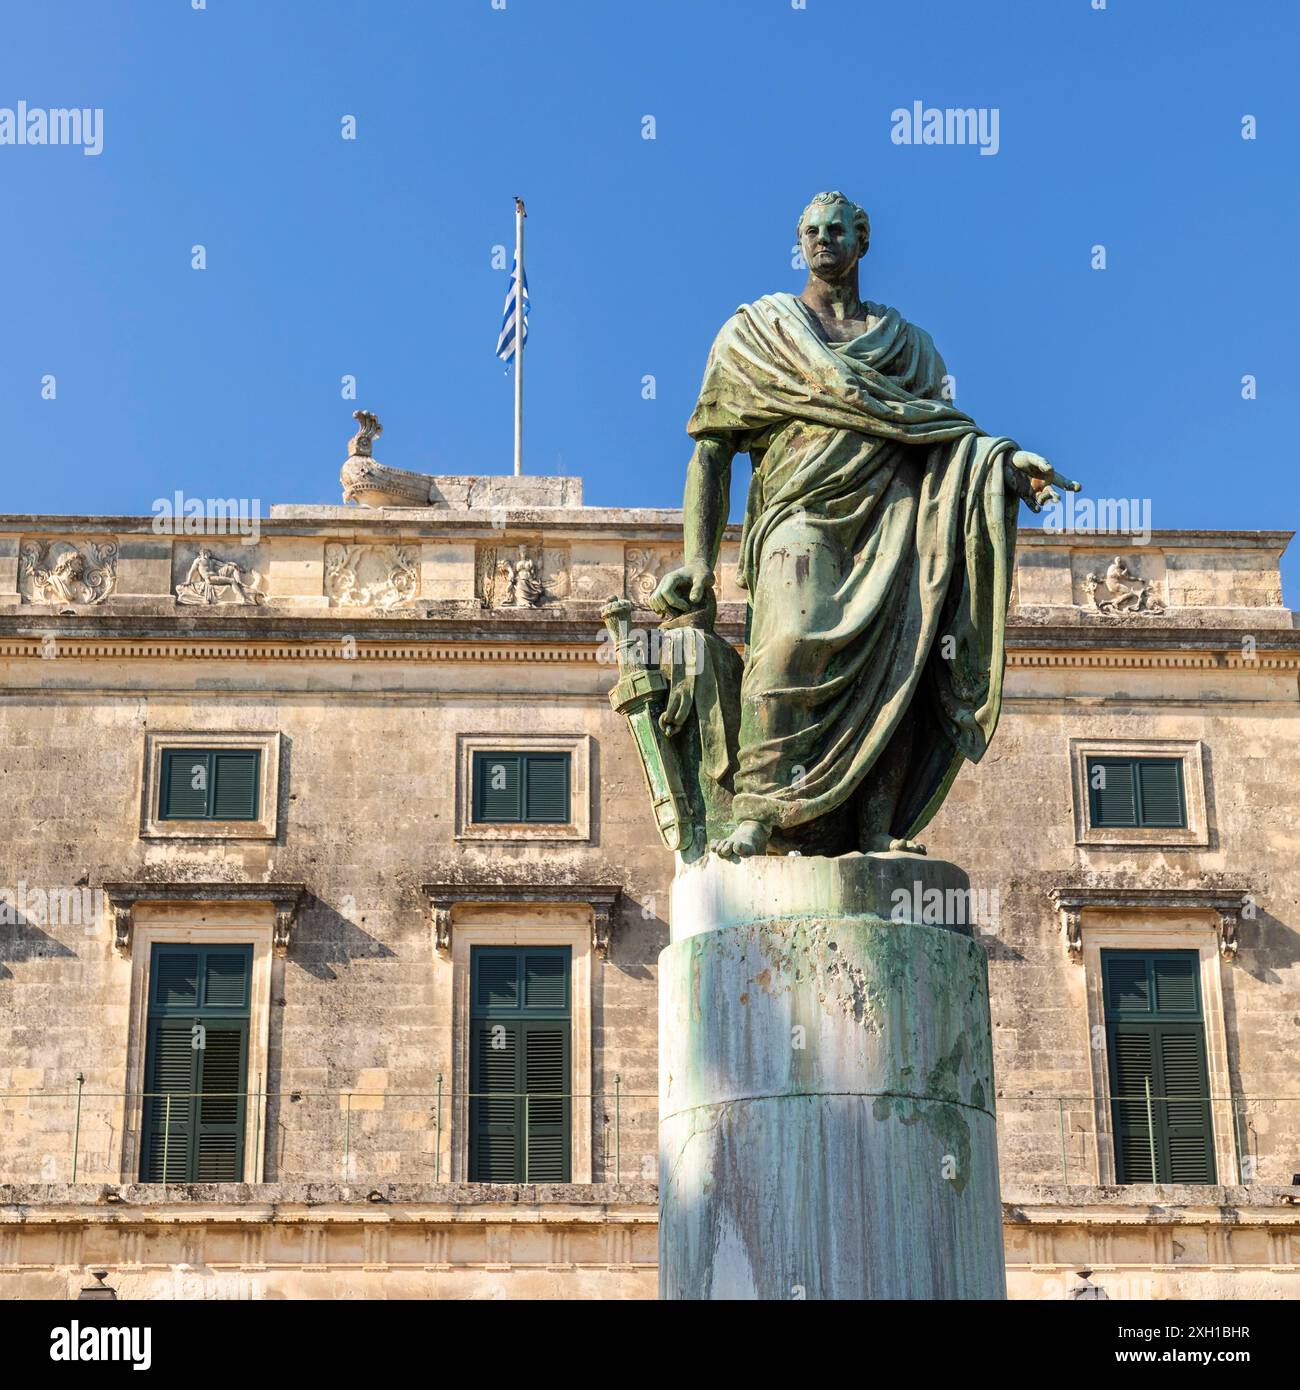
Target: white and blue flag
[(516, 314)]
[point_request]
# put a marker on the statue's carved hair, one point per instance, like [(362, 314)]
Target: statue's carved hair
[(861, 222)]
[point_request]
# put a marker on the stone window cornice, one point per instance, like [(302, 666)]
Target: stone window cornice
[(1227, 904), (285, 898)]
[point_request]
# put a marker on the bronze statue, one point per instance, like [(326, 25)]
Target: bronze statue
[(877, 554)]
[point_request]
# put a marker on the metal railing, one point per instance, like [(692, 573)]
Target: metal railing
[(353, 1134), (356, 1134), (1072, 1137)]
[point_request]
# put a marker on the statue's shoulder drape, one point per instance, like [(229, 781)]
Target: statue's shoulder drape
[(877, 552)]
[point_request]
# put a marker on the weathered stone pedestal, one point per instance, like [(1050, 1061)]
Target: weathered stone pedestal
[(826, 1125)]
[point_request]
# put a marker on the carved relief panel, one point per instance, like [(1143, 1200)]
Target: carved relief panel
[(644, 567), (212, 576), (521, 574), (371, 576), (67, 571), (1120, 585)]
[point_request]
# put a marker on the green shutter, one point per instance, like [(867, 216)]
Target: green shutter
[(547, 791), (1136, 792), (1175, 983), (546, 1079), (494, 1106), (530, 788), (1189, 1155), (1156, 1037), (1160, 793), (1112, 792), (497, 982), (234, 791), (180, 797), (170, 1077), (227, 784), (176, 979), (223, 1066), (520, 1112), (497, 787), (1130, 1068), (546, 980), (196, 1064), (225, 979)]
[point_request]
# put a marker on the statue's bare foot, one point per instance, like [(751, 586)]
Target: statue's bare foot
[(749, 838), (885, 844)]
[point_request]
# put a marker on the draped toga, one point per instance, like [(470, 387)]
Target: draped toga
[(877, 553)]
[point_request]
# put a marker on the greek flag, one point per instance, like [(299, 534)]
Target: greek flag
[(510, 320)]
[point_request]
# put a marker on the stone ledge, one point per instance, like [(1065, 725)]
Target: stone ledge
[(24, 1202), (1146, 1204)]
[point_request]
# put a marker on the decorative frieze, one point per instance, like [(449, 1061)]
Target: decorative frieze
[(521, 575), (371, 576), (67, 571), (1121, 592), (644, 567), (213, 580)]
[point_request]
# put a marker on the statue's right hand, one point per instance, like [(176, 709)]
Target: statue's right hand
[(682, 590)]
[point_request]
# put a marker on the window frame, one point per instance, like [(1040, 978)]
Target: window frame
[(203, 1014), (1154, 928), (516, 924), (1156, 1023), (1189, 752), (158, 744), (523, 1018), (201, 924), (578, 827)]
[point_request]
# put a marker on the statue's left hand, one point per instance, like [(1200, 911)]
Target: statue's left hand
[(1034, 480)]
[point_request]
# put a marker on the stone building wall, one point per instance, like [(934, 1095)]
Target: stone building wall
[(375, 643)]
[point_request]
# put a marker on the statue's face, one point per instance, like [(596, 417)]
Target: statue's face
[(829, 243)]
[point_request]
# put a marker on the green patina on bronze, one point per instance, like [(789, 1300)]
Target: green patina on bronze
[(876, 553)]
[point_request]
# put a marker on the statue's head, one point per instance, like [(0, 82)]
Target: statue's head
[(834, 233)]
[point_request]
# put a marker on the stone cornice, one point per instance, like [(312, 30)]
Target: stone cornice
[(564, 641), (285, 898), (1226, 902), (602, 898), (611, 523)]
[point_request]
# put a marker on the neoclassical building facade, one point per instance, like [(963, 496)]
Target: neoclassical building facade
[(332, 903)]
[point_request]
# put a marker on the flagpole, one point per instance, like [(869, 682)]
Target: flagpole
[(520, 214)]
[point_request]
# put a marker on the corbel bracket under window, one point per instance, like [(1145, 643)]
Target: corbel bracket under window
[(601, 898), (285, 898), (1228, 905)]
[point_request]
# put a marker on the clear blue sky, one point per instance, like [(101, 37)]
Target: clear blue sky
[(373, 257)]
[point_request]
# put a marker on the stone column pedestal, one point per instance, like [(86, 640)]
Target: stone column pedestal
[(826, 1125)]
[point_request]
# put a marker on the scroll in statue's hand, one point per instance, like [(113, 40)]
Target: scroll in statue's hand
[(1035, 481), (682, 590)]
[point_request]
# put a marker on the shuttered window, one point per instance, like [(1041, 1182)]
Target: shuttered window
[(196, 1064), (1155, 1037), (209, 784), (528, 788), (1136, 792), (520, 1109)]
